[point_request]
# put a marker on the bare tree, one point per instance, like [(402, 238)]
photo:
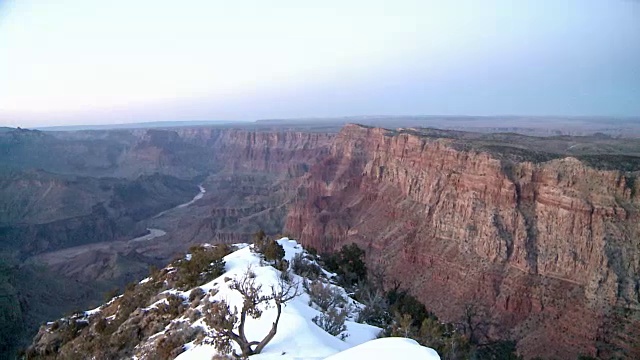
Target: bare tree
[(229, 326), (474, 324)]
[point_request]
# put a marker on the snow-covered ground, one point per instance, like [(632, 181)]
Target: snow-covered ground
[(387, 348), (298, 337)]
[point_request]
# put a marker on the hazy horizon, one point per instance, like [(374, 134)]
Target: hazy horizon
[(86, 62)]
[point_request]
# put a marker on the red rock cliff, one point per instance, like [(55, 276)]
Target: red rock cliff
[(549, 251), (284, 151), (230, 150)]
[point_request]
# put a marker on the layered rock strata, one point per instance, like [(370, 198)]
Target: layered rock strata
[(547, 253)]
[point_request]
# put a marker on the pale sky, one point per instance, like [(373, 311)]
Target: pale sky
[(89, 61)]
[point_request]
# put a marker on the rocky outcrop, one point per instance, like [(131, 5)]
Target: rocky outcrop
[(549, 252)]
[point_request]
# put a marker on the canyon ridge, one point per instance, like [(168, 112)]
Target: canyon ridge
[(535, 237)]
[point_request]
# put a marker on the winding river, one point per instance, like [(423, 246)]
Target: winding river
[(154, 233), (66, 255)]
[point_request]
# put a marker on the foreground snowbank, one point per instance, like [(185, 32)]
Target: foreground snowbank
[(387, 348)]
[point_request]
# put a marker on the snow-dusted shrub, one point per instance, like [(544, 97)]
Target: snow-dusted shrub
[(193, 314), (285, 275), (376, 307), (273, 252), (282, 265), (332, 321), (269, 249), (222, 357), (305, 267), (135, 296), (204, 265), (168, 347), (196, 295), (171, 344), (174, 306), (324, 295)]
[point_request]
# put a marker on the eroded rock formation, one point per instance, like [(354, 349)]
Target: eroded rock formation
[(548, 252)]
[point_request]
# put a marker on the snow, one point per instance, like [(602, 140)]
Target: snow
[(298, 337), (388, 348), (93, 311)]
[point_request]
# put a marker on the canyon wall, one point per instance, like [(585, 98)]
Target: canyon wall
[(72, 190), (250, 176), (191, 151), (546, 253)]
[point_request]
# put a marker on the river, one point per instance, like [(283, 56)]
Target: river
[(66, 255)]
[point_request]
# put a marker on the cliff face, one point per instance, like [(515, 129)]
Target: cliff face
[(548, 254), (284, 152), (195, 150)]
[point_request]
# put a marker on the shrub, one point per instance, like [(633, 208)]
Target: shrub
[(111, 294), (174, 306), (259, 242), (376, 307), (323, 295), (285, 276), (312, 251), (193, 314), (282, 265), (168, 347), (196, 294), (136, 296), (205, 264), (270, 250), (498, 350), (222, 357), (100, 325), (305, 267), (332, 321), (449, 343), (221, 250), (401, 302), (348, 263), (274, 251), (172, 343)]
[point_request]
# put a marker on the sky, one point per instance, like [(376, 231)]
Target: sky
[(94, 62)]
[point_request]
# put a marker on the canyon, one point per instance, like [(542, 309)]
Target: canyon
[(546, 252), (538, 236)]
